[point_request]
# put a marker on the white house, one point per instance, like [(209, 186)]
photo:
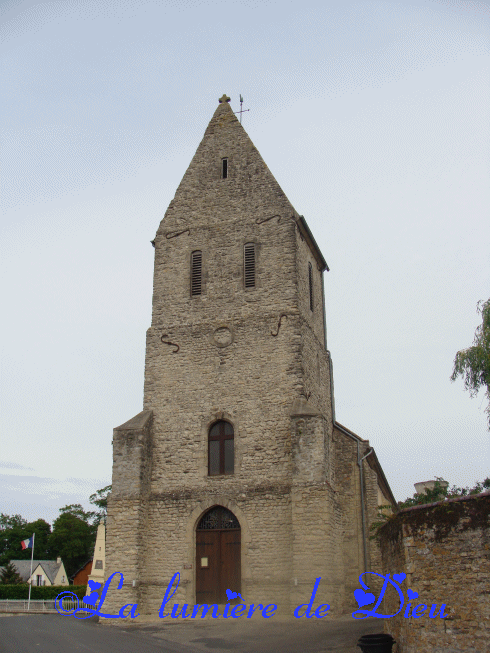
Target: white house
[(44, 572)]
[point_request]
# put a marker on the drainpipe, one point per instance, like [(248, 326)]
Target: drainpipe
[(363, 512)]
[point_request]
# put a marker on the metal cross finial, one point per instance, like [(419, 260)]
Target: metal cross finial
[(224, 99), (242, 110)]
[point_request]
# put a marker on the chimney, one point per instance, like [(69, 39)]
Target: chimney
[(58, 561)]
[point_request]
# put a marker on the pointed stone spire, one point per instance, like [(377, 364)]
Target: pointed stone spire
[(223, 112), (248, 190)]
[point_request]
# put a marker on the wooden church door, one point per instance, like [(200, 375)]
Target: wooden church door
[(218, 556)]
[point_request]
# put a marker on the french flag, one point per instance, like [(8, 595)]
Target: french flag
[(27, 544)]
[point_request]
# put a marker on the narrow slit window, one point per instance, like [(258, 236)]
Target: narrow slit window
[(196, 273), (249, 265), (310, 282), (224, 168)]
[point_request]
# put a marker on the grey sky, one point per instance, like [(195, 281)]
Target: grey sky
[(374, 119)]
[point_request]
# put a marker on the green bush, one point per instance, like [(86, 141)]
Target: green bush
[(44, 592)]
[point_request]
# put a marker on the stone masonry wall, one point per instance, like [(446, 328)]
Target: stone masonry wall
[(127, 507), (347, 485), (316, 546), (313, 318), (265, 520), (444, 549)]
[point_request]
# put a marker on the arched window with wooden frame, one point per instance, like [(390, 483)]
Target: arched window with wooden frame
[(221, 449)]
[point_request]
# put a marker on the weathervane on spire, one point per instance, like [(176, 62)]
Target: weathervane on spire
[(241, 109)]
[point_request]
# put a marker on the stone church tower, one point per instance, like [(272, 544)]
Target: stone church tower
[(235, 474)]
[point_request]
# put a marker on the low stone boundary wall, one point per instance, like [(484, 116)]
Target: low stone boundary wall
[(444, 549)]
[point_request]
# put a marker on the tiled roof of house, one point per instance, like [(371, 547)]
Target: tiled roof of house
[(50, 568)]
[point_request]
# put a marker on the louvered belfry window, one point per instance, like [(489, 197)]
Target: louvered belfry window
[(196, 273), (310, 281), (249, 265)]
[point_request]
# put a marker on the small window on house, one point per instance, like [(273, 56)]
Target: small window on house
[(39, 580), (249, 265), (196, 273), (310, 282), (221, 454), (224, 168)]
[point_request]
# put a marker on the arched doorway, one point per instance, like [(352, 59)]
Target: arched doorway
[(218, 556)]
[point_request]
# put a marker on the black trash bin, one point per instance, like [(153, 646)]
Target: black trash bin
[(377, 643)]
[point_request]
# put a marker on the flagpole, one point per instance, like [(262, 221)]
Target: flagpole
[(30, 577)]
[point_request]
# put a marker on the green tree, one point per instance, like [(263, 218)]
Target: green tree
[(480, 486), (473, 364), (99, 499), (79, 511), (93, 517), (11, 534), (74, 531), (42, 530), (72, 539), (14, 529), (9, 575), (10, 521)]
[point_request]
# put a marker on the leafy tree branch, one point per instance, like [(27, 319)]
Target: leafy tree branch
[(473, 364)]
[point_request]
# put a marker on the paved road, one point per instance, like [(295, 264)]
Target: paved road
[(265, 636), (52, 633)]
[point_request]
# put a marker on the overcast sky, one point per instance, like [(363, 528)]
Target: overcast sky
[(374, 118)]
